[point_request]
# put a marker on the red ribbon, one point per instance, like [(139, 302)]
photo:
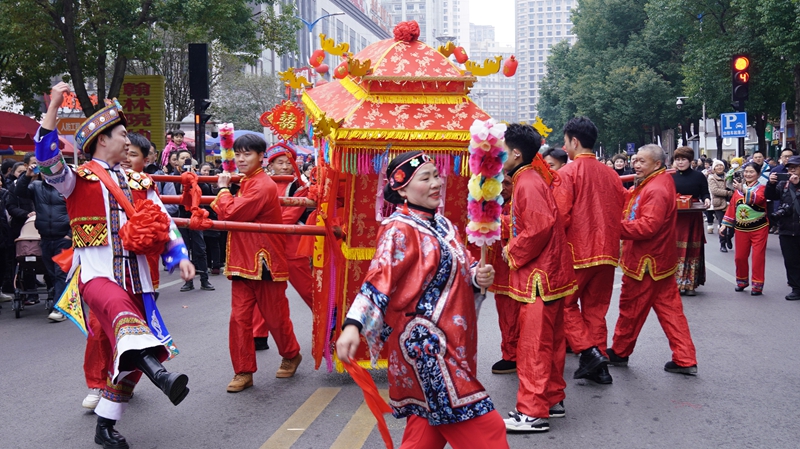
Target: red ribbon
[(373, 399), (191, 201)]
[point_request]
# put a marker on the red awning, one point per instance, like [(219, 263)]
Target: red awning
[(18, 130)]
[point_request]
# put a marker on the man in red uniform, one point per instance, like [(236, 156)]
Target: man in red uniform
[(280, 158), (590, 200), (507, 307), (256, 263), (649, 260), (541, 276)]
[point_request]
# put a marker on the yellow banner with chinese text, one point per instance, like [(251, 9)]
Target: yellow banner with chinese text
[(142, 100)]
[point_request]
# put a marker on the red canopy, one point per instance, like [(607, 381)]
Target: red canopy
[(18, 130)]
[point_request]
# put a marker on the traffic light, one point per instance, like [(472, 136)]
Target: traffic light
[(200, 115), (740, 68)]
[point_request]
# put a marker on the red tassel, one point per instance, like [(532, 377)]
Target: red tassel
[(405, 208)]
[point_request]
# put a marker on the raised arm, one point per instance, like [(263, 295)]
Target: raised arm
[(51, 162)]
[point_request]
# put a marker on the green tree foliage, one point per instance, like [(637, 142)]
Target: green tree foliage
[(240, 98), (633, 57), (95, 41)]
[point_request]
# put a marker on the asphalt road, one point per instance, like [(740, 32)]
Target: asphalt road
[(745, 394)]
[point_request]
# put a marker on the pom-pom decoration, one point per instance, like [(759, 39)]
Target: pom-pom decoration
[(407, 31), (226, 147), (484, 203)]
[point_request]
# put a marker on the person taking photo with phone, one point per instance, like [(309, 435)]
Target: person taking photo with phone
[(783, 189)]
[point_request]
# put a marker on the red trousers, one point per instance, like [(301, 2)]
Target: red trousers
[(301, 280), (270, 298), (635, 302), (585, 326), (508, 315), (484, 432), (97, 356), (541, 352), (757, 240)]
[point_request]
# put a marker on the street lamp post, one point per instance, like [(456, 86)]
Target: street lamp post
[(310, 26)]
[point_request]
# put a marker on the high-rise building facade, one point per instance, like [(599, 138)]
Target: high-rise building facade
[(495, 94), (439, 20), (540, 25)]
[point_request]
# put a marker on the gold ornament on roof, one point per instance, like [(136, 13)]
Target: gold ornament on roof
[(329, 46), (447, 49), (357, 68), (292, 80), (539, 126), (325, 126), (489, 67)]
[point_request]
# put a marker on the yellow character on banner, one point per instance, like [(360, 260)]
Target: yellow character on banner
[(287, 121), (319, 241)]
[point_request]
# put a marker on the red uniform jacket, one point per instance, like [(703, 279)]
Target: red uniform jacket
[(590, 200), (648, 229), (539, 264), (256, 202), (495, 254)]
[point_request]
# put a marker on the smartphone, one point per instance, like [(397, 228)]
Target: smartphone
[(36, 170), (187, 167), (738, 176), (783, 176)]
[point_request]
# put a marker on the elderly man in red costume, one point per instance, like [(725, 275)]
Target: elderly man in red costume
[(590, 200), (649, 261), (281, 159), (256, 263), (541, 276), (114, 279)]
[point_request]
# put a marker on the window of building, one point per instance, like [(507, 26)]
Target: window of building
[(398, 7), (409, 6), (558, 33), (549, 8), (541, 33), (444, 11), (339, 31), (354, 39), (549, 20), (325, 29), (444, 18), (422, 7), (541, 21)]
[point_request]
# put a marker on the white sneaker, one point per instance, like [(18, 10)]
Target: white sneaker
[(519, 422), (91, 399), (56, 316), (710, 229), (5, 297)]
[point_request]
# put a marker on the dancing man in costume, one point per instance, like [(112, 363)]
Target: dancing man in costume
[(113, 281), (541, 276), (649, 261), (590, 200), (418, 299), (256, 263)]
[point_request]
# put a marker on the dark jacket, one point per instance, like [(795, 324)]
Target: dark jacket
[(52, 220), (789, 223), (6, 241), (18, 208)]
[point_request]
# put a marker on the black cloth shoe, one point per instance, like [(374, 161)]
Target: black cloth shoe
[(601, 376), (188, 286), (205, 285), (739, 289), (755, 293), (590, 360), (262, 343), (504, 367), (615, 360), (172, 384), (106, 435), (673, 367), (729, 242), (793, 296)]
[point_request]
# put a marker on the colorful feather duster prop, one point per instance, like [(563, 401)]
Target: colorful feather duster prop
[(226, 147), (484, 203)]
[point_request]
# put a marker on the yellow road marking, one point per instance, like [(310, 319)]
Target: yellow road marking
[(291, 430), (357, 430)]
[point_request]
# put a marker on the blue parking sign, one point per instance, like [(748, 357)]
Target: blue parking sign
[(630, 148), (734, 124)]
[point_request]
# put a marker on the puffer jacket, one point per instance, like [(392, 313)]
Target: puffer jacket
[(720, 194), (52, 220), (789, 224)]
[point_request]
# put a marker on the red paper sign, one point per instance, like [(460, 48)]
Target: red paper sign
[(285, 120)]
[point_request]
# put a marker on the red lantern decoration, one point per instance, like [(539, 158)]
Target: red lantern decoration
[(317, 57), (510, 66), (461, 55), (322, 68), (285, 119), (341, 71)]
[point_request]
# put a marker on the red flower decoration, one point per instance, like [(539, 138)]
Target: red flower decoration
[(399, 176), (407, 31)]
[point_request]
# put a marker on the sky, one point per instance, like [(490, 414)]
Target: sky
[(499, 13)]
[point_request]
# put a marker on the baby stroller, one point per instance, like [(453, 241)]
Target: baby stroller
[(29, 263)]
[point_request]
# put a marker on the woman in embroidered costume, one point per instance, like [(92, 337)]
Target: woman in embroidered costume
[(418, 299), (110, 240), (747, 213)]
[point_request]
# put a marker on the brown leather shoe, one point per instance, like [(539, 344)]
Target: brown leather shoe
[(289, 366), (240, 382)]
